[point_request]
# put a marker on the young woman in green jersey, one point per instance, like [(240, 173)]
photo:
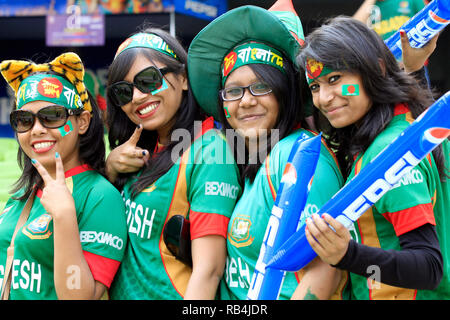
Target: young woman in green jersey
[(385, 17), (246, 77), (400, 246), (62, 248), (167, 189)]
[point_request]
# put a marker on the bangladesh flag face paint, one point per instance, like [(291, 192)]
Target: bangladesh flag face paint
[(227, 114), (164, 86), (66, 129), (350, 90)]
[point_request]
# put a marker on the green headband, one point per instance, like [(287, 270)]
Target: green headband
[(146, 40), (315, 69), (250, 53), (245, 24), (48, 87)]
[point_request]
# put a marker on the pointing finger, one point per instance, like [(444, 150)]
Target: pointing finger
[(134, 139)]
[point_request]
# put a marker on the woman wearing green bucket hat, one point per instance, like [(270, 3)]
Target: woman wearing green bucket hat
[(242, 71)]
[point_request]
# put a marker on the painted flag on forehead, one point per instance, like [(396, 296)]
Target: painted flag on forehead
[(66, 129), (285, 11), (350, 90)]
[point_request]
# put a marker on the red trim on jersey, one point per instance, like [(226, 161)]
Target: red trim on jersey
[(101, 102), (69, 173), (411, 218), (271, 186), (400, 108), (77, 170), (161, 242), (158, 148), (207, 125), (360, 231), (103, 269), (429, 159), (203, 224), (333, 155)]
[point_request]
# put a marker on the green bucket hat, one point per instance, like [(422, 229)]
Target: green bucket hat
[(278, 28)]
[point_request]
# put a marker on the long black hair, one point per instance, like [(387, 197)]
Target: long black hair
[(286, 88), (91, 152), (121, 127), (345, 44)]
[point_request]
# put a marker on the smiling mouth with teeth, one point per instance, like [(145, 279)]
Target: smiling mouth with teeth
[(148, 108), (43, 146)]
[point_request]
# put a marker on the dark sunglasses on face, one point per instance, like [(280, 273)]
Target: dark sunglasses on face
[(147, 80), (50, 117)]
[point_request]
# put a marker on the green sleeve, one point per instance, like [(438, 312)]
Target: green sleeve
[(214, 180), (102, 223), (412, 190), (327, 181), (418, 5)]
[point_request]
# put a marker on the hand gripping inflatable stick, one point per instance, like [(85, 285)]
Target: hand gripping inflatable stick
[(286, 212), (430, 129), (422, 27)]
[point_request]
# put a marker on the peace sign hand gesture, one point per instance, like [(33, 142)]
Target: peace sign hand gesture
[(68, 252), (56, 197)]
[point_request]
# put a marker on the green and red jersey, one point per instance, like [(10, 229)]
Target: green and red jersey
[(252, 212), (203, 186), (390, 15), (101, 222), (417, 199)]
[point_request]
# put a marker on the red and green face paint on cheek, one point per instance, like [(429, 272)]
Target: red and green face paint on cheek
[(350, 90), (66, 129), (227, 114)]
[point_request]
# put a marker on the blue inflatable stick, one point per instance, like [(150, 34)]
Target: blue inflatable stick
[(422, 27), (379, 176), (286, 212)]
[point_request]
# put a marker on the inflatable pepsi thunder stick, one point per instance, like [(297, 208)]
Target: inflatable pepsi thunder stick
[(422, 27), (286, 211), (414, 143)]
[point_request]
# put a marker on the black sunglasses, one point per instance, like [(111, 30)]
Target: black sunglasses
[(147, 80), (177, 238), (50, 117)]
